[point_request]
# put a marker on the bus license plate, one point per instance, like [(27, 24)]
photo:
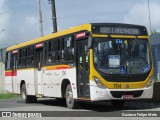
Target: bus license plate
[(126, 97)]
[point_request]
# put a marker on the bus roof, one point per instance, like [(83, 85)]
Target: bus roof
[(50, 36), (96, 28)]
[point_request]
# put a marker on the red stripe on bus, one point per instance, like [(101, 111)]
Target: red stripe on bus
[(11, 73), (58, 67), (63, 67)]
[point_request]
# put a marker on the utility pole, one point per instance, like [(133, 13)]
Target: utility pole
[(54, 18), (40, 17), (149, 15)]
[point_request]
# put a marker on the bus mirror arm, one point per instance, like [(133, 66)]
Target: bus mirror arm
[(90, 41)]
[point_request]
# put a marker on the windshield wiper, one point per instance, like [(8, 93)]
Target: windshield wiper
[(134, 44)]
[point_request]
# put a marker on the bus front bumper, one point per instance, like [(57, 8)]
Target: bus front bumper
[(97, 93)]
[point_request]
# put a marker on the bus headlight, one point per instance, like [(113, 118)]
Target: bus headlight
[(150, 83), (98, 82)]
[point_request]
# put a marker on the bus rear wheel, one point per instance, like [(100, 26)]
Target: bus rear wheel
[(117, 103), (27, 98), (70, 101)]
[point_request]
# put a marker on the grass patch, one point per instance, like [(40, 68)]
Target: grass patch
[(8, 96)]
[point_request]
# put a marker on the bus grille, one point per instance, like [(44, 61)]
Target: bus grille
[(125, 78), (118, 94)]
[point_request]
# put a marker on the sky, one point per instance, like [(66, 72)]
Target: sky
[(19, 19)]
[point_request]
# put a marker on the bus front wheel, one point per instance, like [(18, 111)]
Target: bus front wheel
[(71, 103)]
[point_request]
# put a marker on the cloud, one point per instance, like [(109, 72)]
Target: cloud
[(4, 19), (18, 27), (139, 15), (27, 29), (31, 20), (30, 26), (21, 22)]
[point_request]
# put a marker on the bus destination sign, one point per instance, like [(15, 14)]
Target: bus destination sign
[(119, 30), (125, 31)]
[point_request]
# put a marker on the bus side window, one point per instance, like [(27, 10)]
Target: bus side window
[(49, 56), (86, 52), (22, 57), (52, 51), (62, 50), (55, 50), (30, 56), (8, 60), (80, 60), (68, 48), (46, 58), (14, 62)]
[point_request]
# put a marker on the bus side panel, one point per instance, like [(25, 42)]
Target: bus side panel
[(53, 80), (8, 84), (70, 74), (50, 83), (28, 76)]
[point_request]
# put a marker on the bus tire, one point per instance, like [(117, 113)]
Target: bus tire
[(25, 98), (117, 103), (33, 99), (71, 103), (61, 100)]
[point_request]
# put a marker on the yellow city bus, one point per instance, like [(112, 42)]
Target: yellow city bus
[(94, 62)]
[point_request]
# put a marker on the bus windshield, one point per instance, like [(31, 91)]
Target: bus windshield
[(121, 56)]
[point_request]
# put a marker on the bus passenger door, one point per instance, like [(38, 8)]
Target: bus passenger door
[(14, 73), (38, 70), (83, 69)]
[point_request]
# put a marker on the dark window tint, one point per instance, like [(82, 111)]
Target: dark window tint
[(30, 56), (8, 61), (52, 51), (22, 57), (68, 51)]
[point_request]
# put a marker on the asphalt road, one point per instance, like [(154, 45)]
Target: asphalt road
[(95, 107)]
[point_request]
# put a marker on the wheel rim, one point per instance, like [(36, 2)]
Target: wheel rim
[(69, 97)]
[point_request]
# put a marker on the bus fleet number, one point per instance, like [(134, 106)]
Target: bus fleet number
[(117, 86)]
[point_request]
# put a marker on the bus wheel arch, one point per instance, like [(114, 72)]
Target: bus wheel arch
[(65, 83), (22, 82)]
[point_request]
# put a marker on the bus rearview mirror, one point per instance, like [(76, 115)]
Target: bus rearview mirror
[(90, 41)]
